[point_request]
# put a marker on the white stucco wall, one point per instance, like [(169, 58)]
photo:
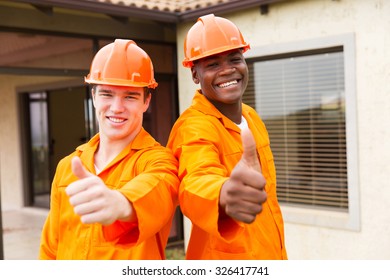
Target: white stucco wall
[(10, 138), (369, 21), (10, 175)]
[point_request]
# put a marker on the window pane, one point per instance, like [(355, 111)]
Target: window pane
[(302, 102), (39, 143)]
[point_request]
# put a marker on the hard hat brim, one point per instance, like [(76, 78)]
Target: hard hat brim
[(118, 82), (190, 62)]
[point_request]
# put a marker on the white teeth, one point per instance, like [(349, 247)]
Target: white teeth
[(116, 120), (228, 84)]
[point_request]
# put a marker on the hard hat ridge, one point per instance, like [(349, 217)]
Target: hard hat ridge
[(211, 35), (122, 63)]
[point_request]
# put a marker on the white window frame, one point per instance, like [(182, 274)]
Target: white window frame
[(328, 218)]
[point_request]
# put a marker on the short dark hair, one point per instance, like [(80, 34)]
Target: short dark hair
[(147, 92)]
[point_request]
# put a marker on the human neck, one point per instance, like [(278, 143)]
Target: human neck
[(109, 149), (232, 112), (103, 155)]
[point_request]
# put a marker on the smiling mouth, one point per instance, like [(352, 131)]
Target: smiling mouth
[(116, 120), (224, 85)]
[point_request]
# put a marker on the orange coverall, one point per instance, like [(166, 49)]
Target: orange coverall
[(208, 146), (146, 173)]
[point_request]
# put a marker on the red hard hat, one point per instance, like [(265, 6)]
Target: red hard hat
[(122, 63), (211, 35)]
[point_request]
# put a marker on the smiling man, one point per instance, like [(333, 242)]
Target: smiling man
[(226, 167), (106, 195)]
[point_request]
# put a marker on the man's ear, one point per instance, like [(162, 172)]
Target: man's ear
[(194, 75), (93, 93), (147, 102)]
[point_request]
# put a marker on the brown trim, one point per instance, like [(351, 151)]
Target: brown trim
[(9, 70), (107, 8), (150, 14), (226, 7)]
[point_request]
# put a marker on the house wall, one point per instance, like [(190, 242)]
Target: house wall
[(23, 17), (297, 21), (10, 137)]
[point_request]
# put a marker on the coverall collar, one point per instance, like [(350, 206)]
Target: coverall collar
[(143, 140), (202, 104)]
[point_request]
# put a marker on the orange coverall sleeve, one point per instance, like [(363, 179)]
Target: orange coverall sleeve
[(51, 228), (202, 174), (153, 193), (149, 180)]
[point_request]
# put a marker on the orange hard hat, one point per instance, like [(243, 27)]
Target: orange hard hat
[(122, 63), (211, 35)]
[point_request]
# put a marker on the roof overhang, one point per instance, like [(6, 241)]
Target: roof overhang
[(225, 7), (149, 14)]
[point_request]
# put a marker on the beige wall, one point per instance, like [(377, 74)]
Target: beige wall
[(369, 21), (60, 54), (10, 138), (10, 175)]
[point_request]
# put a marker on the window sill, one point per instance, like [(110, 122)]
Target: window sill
[(320, 218)]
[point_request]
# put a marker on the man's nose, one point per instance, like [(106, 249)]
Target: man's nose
[(227, 69), (117, 105)]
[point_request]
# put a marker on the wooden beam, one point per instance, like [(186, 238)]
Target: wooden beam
[(47, 10)]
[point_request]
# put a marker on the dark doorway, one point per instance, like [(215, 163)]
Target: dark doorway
[(57, 121)]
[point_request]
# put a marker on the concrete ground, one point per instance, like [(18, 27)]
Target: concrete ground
[(21, 233)]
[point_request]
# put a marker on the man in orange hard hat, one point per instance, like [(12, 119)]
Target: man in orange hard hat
[(114, 197), (226, 167)]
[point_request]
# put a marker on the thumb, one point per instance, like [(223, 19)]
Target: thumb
[(249, 155), (78, 168)]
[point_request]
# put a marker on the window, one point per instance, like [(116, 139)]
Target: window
[(305, 98)]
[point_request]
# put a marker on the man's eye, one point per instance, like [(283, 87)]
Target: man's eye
[(212, 64)]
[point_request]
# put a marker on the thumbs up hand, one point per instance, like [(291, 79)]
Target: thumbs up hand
[(249, 156), (93, 201), (243, 194)]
